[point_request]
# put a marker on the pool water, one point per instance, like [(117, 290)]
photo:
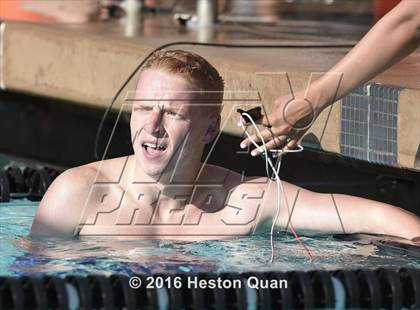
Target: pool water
[(20, 254)]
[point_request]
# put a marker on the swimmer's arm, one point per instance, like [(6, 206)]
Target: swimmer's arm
[(59, 212), (337, 213)]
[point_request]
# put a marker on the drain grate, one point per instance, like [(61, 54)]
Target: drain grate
[(369, 117)]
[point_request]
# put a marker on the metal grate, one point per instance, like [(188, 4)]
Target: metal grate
[(369, 126)]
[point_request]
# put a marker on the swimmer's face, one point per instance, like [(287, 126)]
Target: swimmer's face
[(166, 124)]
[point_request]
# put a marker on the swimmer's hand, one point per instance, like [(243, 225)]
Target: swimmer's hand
[(288, 121)]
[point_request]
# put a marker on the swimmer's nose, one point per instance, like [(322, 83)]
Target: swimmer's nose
[(154, 124)]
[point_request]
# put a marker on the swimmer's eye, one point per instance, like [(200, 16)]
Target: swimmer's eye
[(171, 113), (174, 115)]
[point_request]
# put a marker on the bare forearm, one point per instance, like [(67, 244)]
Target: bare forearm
[(368, 216), (337, 213), (331, 213), (395, 36)]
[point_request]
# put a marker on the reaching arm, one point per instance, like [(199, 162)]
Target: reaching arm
[(336, 213), (392, 38), (395, 36)]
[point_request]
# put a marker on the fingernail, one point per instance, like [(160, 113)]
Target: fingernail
[(243, 145), (254, 153)]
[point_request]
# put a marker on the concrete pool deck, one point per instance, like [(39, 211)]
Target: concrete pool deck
[(87, 64)]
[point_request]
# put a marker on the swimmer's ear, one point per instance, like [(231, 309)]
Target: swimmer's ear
[(212, 129)]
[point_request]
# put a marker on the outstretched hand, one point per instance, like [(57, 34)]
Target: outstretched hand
[(288, 121)]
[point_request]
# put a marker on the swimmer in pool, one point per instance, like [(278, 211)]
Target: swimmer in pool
[(165, 191)]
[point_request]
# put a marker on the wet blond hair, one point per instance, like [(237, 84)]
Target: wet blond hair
[(193, 68)]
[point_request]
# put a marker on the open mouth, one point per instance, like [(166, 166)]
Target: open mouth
[(153, 150)]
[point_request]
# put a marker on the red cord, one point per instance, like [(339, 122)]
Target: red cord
[(295, 234)]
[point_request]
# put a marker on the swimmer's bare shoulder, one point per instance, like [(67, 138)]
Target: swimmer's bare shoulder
[(60, 209)]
